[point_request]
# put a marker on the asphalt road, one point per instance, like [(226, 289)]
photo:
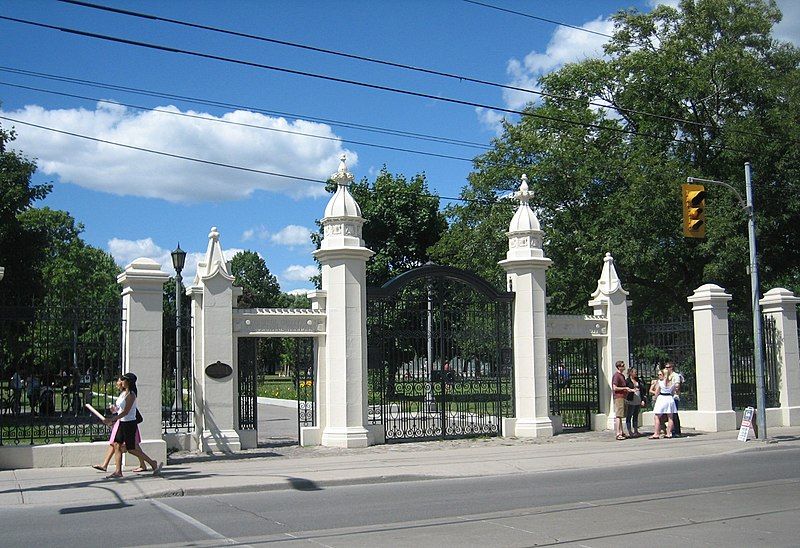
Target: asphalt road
[(747, 498)]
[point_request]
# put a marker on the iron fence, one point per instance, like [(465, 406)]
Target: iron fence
[(743, 369), (653, 344), (55, 359), (177, 401)]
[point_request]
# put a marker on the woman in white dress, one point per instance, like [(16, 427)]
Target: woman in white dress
[(664, 406)]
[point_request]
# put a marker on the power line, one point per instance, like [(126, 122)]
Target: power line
[(528, 15), (220, 164), (358, 83), (459, 77), (242, 124), (207, 102)]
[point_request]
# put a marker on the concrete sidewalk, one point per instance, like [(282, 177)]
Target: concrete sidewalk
[(308, 469)]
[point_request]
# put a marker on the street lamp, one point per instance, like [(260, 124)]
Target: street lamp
[(178, 261), (761, 412)]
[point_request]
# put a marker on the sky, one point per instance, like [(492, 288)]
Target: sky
[(267, 139)]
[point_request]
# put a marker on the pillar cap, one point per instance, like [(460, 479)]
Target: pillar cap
[(778, 295), (709, 292), (143, 269), (609, 282)]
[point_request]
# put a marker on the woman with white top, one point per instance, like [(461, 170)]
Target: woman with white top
[(664, 406), (125, 439)]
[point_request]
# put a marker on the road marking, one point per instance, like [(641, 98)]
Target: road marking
[(191, 521)]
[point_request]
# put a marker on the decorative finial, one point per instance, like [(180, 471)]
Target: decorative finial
[(523, 194), (342, 176), (214, 234)]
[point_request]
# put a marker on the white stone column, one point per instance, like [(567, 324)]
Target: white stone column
[(312, 435), (781, 305), (712, 359), (214, 370), (143, 304), (343, 372), (526, 266), (610, 300)]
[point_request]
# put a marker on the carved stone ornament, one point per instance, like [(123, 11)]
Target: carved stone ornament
[(219, 370)]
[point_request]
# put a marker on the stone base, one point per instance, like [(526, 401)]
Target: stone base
[(181, 441), (61, 455), (528, 428), (248, 439), (348, 437), (709, 421), (223, 441), (310, 436), (790, 416)]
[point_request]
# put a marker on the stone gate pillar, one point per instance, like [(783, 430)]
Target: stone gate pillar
[(343, 372), (214, 370), (781, 305), (712, 359), (611, 301), (526, 266), (143, 304)]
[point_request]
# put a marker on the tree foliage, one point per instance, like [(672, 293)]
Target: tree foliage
[(259, 286), (693, 91)]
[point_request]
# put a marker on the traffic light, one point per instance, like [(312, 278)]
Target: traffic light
[(694, 216)]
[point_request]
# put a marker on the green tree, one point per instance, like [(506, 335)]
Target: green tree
[(401, 222), (259, 287), (18, 252), (698, 90)]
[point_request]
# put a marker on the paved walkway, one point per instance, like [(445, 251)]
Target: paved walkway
[(292, 467)]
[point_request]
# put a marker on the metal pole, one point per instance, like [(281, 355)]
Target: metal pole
[(761, 412), (178, 345)]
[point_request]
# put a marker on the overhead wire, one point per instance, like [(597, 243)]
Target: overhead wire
[(242, 124), (404, 66), (367, 85), (221, 104)]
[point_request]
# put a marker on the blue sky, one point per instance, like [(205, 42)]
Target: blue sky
[(136, 204)]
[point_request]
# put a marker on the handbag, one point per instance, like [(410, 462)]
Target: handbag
[(139, 417)]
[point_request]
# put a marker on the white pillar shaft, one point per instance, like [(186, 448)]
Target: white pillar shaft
[(781, 305), (712, 359), (142, 301)]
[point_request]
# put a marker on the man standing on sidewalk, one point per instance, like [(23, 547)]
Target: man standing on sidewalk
[(620, 388), (676, 379)]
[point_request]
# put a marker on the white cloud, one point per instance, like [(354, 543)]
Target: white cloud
[(566, 46), (300, 291), (292, 235), (126, 251), (255, 233), (297, 272), (116, 170), (491, 120)]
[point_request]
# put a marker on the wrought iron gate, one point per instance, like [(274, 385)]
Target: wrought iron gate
[(439, 355), (299, 352), (574, 381)]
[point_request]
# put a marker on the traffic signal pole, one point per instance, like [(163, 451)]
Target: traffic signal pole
[(758, 354)]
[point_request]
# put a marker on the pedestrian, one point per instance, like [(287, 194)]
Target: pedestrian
[(620, 389), (677, 379), (125, 437), (664, 406), (634, 402), (110, 451)]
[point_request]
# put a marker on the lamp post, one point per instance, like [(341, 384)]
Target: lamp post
[(761, 411), (178, 261)]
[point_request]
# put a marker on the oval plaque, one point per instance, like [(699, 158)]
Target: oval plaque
[(218, 370)]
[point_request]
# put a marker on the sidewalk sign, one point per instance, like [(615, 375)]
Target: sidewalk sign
[(747, 423)]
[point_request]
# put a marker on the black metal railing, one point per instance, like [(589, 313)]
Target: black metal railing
[(743, 369), (653, 344), (55, 359), (177, 401), (574, 381)]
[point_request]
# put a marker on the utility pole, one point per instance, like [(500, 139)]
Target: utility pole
[(758, 354)]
